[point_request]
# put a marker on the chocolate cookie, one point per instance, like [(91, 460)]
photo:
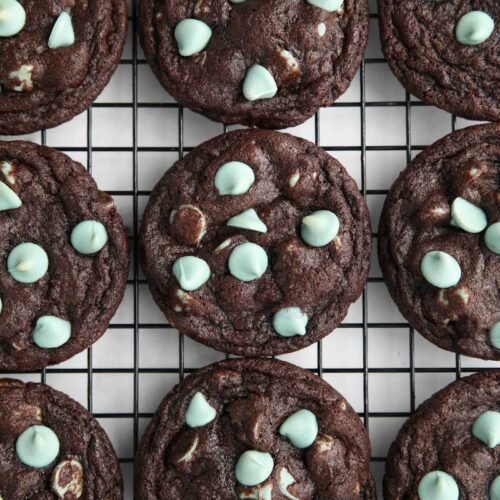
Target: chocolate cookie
[(51, 447), (56, 58), (448, 449), (270, 63), (65, 257), (446, 52), (235, 430), (439, 242), (256, 243)]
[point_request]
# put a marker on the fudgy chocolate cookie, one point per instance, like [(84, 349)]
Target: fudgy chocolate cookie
[(439, 242), (446, 52), (56, 58), (256, 243), (235, 430), (65, 257), (270, 63), (51, 447), (448, 449)]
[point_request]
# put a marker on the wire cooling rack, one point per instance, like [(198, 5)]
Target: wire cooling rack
[(131, 135)]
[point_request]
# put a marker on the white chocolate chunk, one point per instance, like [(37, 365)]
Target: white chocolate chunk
[(324, 443), (183, 296), (463, 293), (286, 480), (292, 181), (291, 62), (201, 7), (61, 486), (223, 245), (203, 221), (189, 454), (439, 211), (442, 299), (321, 29), (24, 75), (7, 169)]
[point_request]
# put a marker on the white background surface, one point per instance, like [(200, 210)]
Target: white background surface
[(387, 373)]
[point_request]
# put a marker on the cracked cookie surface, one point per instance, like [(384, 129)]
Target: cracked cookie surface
[(416, 219), (86, 466), (311, 54), (188, 217), (42, 87), (252, 398), (56, 194), (420, 44)]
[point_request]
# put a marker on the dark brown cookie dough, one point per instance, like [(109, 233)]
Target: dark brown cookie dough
[(419, 41), (439, 437), (293, 178), (52, 85), (86, 466), (416, 220), (57, 193), (312, 55), (252, 398)]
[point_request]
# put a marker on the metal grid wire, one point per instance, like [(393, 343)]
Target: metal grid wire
[(407, 373)]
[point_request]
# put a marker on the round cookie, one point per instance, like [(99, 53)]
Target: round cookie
[(448, 449), (57, 57), (62, 277), (268, 63), (52, 448), (256, 243), (436, 242), (445, 52), (234, 430)]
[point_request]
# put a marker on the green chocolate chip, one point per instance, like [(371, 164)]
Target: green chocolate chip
[(474, 28), (191, 272), (486, 428), (37, 446), (248, 262), (319, 228), (237, 1), (62, 34), (495, 335), (467, 216), (328, 5), (438, 485), (199, 411), (27, 263), (258, 84), (8, 198), (290, 321), (301, 428), (12, 17), (192, 36), (492, 238), (321, 29), (248, 220), (440, 269), (495, 489), (253, 467), (51, 332), (234, 178), (89, 237)]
